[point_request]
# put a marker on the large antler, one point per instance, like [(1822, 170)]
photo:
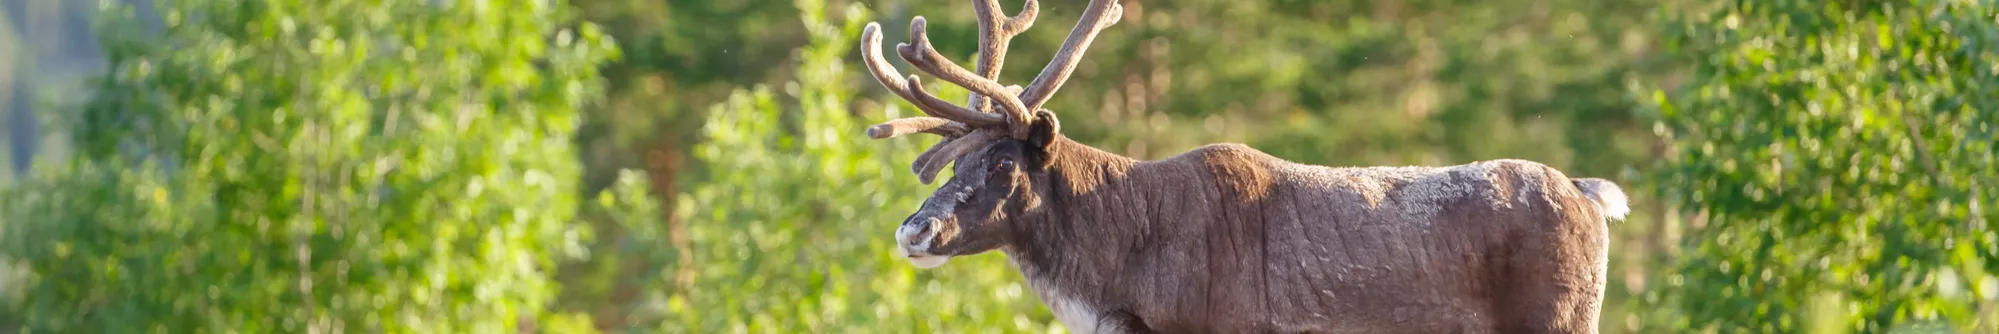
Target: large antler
[(925, 57), (992, 106), (1101, 14), (996, 31)]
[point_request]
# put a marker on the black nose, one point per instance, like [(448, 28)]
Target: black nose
[(914, 231), (923, 227)]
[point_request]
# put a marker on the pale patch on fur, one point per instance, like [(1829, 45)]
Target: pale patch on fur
[(1526, 190), (1422, 192), (1608, 197), (1371, 183), (1371, 190), (1530, 182), (1076, 316), (1494, 196), (1427, 195)]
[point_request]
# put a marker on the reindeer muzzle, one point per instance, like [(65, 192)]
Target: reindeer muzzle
[(915, 238)]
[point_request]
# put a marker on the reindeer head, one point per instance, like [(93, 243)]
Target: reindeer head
[(998, 140)]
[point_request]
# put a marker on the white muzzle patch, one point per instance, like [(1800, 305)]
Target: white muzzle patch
[(916, 250), (920, 261)]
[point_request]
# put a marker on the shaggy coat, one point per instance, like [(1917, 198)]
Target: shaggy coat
[(1227, 239)]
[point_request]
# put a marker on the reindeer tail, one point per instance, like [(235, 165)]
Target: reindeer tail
[(1608, 197)]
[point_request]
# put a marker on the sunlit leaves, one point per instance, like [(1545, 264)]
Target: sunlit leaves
[(1841, 154), (280, 166)]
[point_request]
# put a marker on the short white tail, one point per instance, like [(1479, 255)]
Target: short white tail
[(1608, 197)]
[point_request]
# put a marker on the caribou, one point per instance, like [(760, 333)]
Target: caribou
[(1225, 238)]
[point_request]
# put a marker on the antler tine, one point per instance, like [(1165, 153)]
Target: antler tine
[(996, 32), (1101, 14), (903, 126), (911, 90), (925, 160), (926, 58), (930, 162)]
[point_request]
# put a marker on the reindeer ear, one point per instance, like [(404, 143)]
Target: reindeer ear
[(1044, 129)]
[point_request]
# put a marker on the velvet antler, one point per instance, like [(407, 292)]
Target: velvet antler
[(994, 111)]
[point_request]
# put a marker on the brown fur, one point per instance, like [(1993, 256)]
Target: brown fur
[(1227, 239)]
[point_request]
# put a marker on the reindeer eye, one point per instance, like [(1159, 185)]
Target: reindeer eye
[(1004, 163)]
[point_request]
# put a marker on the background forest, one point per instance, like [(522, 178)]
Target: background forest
[(698, 165)]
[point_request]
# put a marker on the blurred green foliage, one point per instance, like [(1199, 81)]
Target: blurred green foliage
[(292, 166), (1843, 156), (680, 56), (10, 56)]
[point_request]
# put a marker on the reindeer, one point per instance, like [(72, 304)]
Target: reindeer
[(1225, 238)]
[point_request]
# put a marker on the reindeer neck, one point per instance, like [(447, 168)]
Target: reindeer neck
[(1086, 223), (1079, 169)]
